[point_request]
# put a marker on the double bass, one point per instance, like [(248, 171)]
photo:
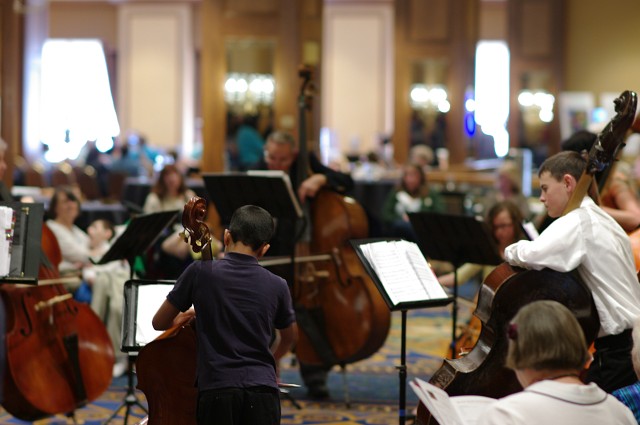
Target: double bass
[(166, 367), (59, 354), (341, 315), (507, 289)]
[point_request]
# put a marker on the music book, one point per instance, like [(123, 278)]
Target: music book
[(456, 410), (402, 273)]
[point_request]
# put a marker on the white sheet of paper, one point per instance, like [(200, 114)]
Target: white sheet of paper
[(457, 410), (150, 298), (403, 271), (437, 402)]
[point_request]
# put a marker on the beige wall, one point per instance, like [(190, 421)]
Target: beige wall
[(603, 50), (156, 73), (84, 20), (601, 43), (357, 75)]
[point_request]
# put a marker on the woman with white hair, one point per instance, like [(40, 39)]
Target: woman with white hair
[(547, 351)]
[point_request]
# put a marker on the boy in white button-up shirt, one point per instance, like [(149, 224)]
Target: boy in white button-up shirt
[(589, 240)]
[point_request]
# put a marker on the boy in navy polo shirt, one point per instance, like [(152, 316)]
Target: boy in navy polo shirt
[(237, 304)]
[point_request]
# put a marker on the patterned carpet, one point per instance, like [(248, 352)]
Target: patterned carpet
[(372, 385)]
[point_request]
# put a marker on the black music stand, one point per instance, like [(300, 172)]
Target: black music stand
[(270, 190), (457, 239), (139, 235), (419, 299), (27, 240)]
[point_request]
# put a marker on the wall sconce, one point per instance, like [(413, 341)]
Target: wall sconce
[(541, 100), (429, 97), (245, 92)]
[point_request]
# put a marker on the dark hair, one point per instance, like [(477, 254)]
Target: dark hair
[(53, 204), (567, 162), (160, 187), (107, 224), (514, 213), (423, 189), (251, 225), (579, 141)]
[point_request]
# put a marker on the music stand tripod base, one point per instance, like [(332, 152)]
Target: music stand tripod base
[(130, 399)]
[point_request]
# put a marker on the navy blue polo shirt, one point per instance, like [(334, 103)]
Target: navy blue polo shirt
[(237, 304)]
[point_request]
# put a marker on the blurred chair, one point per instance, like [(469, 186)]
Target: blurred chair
[(87, 179), (116, 185), (34, 175), (62, 175)]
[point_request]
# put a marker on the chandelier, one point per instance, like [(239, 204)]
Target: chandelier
[(245, 93)]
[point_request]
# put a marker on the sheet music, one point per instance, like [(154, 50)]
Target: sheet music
[(457, 410), (403, 271), (6, 238), (150, 298)]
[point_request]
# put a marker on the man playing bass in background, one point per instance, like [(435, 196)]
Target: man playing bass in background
[(280, 154)]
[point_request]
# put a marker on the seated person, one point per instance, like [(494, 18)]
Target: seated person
[(547, 351), (412, 195), (169, 255), (504, 220), (630, 395), (107, 282), (64, 209)]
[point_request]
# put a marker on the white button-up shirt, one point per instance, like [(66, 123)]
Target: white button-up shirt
[(589, 240)]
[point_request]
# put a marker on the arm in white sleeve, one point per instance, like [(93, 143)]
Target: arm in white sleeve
[(560, 247)]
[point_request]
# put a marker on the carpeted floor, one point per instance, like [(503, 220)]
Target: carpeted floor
[(367, 393)]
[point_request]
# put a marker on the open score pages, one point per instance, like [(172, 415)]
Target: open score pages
[(403, 271), (457, 410)]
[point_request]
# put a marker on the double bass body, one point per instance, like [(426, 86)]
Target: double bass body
[(59, 355), (339, 295)]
